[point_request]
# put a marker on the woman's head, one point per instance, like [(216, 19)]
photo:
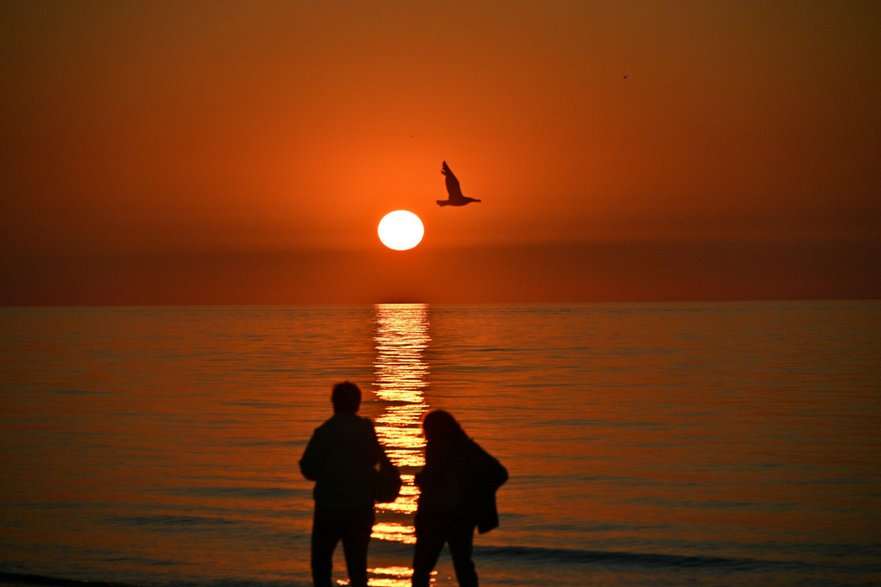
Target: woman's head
[(441, 426)]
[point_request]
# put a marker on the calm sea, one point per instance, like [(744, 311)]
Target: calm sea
[(666, 444)]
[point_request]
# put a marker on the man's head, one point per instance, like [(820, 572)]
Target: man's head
[(346, 398)]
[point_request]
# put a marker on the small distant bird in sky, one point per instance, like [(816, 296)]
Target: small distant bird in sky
[(626, 75), (456, 198)]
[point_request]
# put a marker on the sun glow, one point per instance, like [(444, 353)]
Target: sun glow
[(400, 230)]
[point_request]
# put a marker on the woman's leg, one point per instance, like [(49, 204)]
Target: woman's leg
[(429, 544), (461, 542)]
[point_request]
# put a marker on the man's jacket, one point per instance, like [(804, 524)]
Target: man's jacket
[(341, 458)]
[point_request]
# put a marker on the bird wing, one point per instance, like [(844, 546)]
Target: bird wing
[(452, 183)]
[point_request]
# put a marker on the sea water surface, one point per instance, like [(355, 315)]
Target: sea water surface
[(648, 444)]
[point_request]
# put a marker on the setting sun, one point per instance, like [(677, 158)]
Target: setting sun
[(400, 230)]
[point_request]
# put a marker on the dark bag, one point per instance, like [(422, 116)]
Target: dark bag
[(492, 475), (386, 482)]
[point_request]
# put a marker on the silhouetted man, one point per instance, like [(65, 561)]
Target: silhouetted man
[(341, 458)]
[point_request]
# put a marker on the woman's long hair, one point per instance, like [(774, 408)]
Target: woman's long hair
[(442, 430)]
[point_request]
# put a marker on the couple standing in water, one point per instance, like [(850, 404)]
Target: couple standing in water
[(457, 492)]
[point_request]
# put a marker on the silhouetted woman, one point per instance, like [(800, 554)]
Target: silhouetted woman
[(458, 486)]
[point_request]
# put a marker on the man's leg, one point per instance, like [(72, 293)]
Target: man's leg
[(356, 537), (325, 535)]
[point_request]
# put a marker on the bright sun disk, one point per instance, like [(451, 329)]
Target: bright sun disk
[(400, 230)]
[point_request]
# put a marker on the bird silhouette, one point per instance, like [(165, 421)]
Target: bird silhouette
[(456, 198)]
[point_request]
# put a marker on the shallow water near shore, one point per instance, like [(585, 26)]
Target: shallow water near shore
[(648, 444)]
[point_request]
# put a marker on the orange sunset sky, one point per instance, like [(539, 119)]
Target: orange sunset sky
[(244, 152)]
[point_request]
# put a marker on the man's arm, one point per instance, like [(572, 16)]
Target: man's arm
[(310, 463), (378, 456)]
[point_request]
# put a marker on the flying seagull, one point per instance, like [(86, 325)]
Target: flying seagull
[(456, 197)]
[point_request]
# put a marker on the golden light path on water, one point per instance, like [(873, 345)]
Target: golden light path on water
[(400, 378)]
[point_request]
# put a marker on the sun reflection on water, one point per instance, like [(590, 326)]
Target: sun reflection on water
[(400, 378), (391, 577)]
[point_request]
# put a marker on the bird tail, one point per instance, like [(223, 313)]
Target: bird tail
[(442, 203)]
